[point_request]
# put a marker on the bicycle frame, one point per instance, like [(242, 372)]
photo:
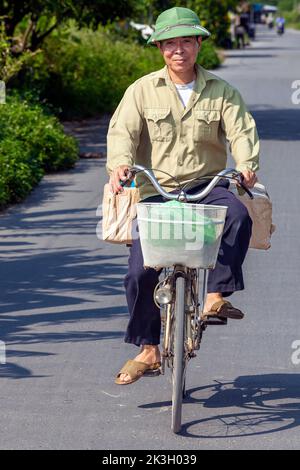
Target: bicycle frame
[(195, 299), (178, 296)]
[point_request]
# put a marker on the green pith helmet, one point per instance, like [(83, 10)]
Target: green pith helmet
[(177, 22)]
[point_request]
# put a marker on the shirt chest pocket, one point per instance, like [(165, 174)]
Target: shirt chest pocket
[(159, 122), (206, 124)]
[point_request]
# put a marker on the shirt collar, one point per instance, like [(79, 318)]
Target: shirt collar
[(203, 76)]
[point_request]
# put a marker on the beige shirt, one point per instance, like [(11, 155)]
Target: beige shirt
[(152, 128)]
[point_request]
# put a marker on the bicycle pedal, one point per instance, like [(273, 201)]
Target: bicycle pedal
[(215, 321)]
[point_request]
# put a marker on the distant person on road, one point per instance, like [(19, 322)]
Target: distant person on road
[(245, 22), (280, 24), (232, 19), (179, 120), (240, 33), (270, 20)]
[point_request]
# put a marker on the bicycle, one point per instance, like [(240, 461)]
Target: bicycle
[(178, 293)]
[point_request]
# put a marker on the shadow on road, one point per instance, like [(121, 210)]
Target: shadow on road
[(90, 133), (265, 37), (13, 371), (58, 283), (277, 124), (249, 56), (268, 403), (275, 48), (50, 188), (48, 223), (50, 279)]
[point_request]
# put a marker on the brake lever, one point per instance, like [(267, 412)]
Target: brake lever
[(240, 178)]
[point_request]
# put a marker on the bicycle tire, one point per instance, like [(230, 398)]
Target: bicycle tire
[(178, 363)]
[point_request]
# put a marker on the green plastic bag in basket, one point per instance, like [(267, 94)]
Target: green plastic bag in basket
[(175, 224)]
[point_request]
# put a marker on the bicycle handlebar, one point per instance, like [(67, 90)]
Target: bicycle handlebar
[(183, 196)]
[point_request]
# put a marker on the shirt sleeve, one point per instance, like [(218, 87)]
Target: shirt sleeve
[(124, 131), (240, 130)]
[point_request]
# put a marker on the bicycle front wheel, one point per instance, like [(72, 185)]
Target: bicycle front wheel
[(178, 363)]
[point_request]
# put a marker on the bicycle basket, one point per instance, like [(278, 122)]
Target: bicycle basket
[(180, 233)]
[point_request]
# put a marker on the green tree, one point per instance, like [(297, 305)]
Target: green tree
[(150, 9), (214, 16), (29, 22), (10, 65)]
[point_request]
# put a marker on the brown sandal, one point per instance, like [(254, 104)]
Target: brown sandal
[(223, 309), (135, 370)]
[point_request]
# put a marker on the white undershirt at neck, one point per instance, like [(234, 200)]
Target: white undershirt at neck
[(185, 91)]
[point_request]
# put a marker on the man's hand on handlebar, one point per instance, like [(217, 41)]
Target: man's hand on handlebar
[(249, 178), (121, 173)]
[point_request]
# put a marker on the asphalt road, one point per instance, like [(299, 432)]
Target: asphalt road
[(63, 311)]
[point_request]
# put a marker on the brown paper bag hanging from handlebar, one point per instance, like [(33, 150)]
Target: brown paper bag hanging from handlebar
[(260, 211), (118, 212)]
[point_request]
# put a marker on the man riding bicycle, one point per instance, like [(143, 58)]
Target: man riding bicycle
[(178, 120)]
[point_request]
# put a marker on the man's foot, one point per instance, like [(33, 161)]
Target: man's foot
[(211, 299), (216, 306), (223, 310), (148, 355)]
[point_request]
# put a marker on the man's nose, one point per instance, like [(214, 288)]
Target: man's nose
[(178, 47)]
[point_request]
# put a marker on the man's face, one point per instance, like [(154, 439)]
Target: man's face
[(180, 54)]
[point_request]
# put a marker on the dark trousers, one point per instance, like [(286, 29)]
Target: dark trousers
[(226, 278)]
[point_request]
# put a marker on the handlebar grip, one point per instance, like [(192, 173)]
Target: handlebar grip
[(247, 190)]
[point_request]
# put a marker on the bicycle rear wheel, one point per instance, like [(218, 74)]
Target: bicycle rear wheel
[(178, 363)]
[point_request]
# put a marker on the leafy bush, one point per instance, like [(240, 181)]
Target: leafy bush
[(208, 57), (285, 5), (88, 71), (31, 143), (293, 18)]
